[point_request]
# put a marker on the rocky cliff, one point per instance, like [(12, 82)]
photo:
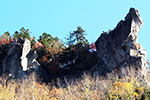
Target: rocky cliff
[(19, 59), (119, 49)]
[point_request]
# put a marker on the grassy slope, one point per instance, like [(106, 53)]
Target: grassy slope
[(86, 87)]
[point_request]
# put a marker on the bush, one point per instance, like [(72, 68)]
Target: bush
[(86, 87)]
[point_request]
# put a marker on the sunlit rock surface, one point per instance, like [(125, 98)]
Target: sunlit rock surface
[(119, 49)]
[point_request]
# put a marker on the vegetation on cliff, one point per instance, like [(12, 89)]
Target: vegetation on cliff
[(55, 55), (57, 58)]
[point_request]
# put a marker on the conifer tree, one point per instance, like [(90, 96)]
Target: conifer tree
[(22, 34), (77, 39)]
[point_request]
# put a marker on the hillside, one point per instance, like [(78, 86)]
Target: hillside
[(114, 67)]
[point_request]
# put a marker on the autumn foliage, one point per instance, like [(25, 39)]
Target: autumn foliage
[(38, 45), (59, 60), (93, 47), (86, 87), (53, 53), (3, 41)]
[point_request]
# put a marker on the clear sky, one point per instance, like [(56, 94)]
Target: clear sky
[(59, 17)]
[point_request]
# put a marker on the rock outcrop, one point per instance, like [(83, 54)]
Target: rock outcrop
[(20, 59), (119, 49)]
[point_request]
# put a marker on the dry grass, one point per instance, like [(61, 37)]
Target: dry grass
[(87, 87)]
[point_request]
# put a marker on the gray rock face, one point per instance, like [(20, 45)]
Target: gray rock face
[(119, 48), (20, 58)]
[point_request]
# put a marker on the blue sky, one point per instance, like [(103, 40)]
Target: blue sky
[(59, 17)]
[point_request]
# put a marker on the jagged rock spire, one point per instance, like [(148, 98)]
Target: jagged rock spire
[(119, 48)]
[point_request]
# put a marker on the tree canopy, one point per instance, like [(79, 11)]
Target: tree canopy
[(53, 54)]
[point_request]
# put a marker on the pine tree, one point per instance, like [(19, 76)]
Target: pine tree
[(52, 44), (22, 34), (78, 39), (45, 40)]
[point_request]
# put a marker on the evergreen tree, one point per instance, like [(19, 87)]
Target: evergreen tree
[(26, 34), (5, 38), (77, 45), (7, 33), (47, 54), (70, 40), (45, 40), (22, 34), (32, 41), (78, 39), (52, 44)]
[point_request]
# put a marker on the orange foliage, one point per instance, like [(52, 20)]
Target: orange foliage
[(93, 47), (38, 45), (31, 38), (3, 41), (44, 59), (11, 40)]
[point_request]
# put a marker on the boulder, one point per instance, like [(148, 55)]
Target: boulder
[(20, 58), (119, 49)]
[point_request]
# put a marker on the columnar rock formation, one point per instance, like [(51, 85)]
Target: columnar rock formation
[(19, 58), (119, 49), (25, 51)]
